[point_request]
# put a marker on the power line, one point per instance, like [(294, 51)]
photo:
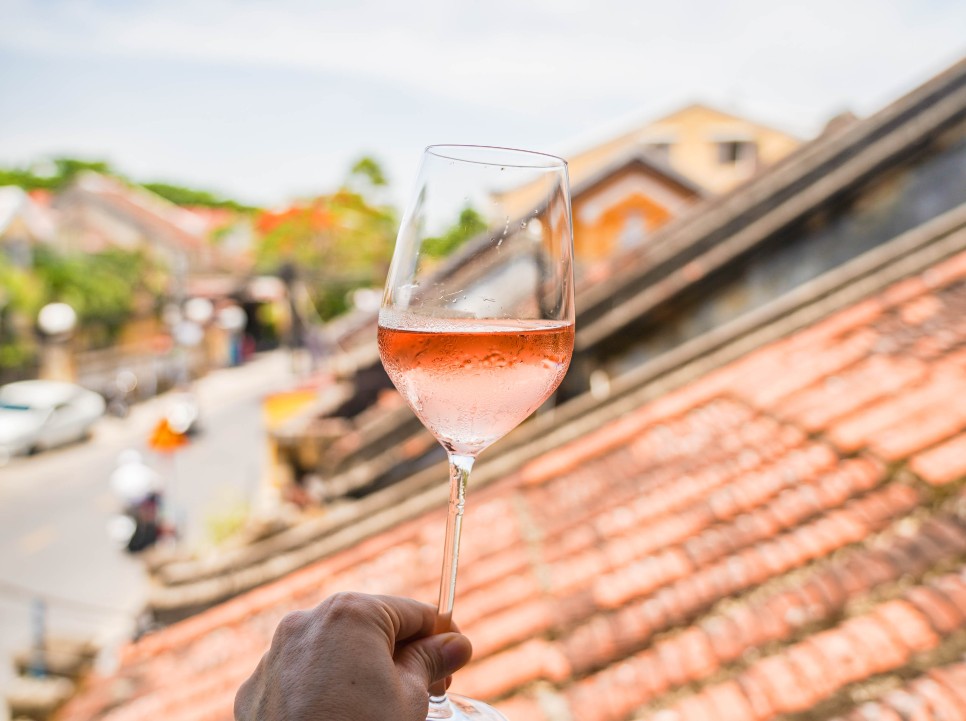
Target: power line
[(13, 589)]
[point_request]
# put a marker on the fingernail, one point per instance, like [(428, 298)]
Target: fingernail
[(456, 651)]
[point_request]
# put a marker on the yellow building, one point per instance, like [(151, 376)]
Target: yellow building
[(628, 185), (712, 148)]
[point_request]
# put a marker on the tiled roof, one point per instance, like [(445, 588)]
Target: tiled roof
[(723, 267), (142, 206), (784, 538)]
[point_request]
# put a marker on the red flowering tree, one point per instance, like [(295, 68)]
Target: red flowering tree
[(336, 243)]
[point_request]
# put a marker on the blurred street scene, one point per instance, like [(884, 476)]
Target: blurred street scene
[(746, 501), (57, 510)]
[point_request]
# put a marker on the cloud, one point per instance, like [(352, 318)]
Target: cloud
[(526, 72), (534, 56)]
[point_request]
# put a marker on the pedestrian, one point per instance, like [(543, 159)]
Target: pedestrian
[(354, 657)]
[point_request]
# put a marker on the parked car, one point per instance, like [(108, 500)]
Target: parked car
[(37, 415)]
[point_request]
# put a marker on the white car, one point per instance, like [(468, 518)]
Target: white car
[(36, 415)]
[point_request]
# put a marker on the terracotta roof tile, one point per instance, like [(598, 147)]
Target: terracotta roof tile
[(725, 638), (754, 690), (923, 429), (871, 380), (533, 660), (939, 695), (729, 703), (941, 700), (773, 383), (521, 707), (953, 679), (856, 430), (909, 625), (942, 464), (942, 615), (880, 646), (830, 660), (692, 707), (512, 625), (771, 537)]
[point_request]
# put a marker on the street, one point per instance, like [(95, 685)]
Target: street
[(55, 508)]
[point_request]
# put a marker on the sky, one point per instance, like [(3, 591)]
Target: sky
[(267, 100)]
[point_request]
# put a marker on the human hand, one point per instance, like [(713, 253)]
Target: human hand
[(353, 657)]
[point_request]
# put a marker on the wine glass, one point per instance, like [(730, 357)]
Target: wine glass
[(476, 327)]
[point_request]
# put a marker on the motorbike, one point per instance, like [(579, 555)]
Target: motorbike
[(140, 525)]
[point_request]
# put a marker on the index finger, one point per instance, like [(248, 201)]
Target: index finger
[(410, 619)]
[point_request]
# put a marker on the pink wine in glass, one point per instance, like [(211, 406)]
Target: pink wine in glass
[(471, 381), (479, 340)]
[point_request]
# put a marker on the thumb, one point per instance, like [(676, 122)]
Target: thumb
[(435, 657)]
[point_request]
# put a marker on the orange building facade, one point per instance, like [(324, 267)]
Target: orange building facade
[(620, 206), (714, 149), (629, 184)]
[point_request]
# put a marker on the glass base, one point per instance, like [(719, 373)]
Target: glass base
[(461, 708)]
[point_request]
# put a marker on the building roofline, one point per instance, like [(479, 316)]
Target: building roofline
[(630, 124), (723, 227), (640, 158)]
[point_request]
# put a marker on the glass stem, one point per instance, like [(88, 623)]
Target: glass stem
[(459, 474)]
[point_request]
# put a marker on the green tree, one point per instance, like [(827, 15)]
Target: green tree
[(55, 175), (469, 223), (21, 297), (69, 168), (103, 288), (369, 168), (180, 195), (58, 173)]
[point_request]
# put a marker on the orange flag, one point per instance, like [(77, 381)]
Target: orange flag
[(165, 440)]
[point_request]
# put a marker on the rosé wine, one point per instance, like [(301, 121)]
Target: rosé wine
[(472, 381)]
